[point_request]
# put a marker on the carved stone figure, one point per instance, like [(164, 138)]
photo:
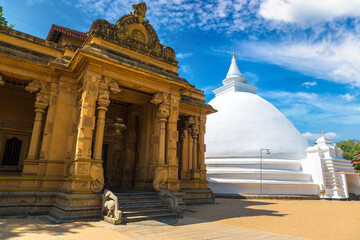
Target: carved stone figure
[(110, 208)]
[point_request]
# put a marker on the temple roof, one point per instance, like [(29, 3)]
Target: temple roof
[(57, 31)]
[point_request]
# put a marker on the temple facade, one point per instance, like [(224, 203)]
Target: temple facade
[(80, 112)]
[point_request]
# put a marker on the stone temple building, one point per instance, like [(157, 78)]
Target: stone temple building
[(84, 111)]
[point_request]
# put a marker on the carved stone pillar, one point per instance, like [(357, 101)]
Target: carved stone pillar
[(41, 104), (172, 137), (103, 103), (190, 121), (184, 164), (195, 134), (161, 171), (87, 173), (202, 150)]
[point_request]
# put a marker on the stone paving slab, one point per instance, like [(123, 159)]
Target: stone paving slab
[(190, 228)]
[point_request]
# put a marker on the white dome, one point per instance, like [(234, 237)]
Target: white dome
[(245, 123)]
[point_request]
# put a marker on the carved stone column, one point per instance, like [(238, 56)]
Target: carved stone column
[(161, 171), (184, 164), (195, 134), (189, 123), (172, 137), (41, 104), (202, 150), (103, 103), (87, 173)]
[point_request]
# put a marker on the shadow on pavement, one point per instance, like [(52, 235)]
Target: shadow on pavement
[(224, 208), (14, 228)]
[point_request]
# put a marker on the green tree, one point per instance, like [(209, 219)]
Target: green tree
[(357, 168), (350, 148), (3, 21)]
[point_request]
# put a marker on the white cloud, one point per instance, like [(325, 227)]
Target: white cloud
[(308, 11), (251, 78), (314, 136), (176, 14), (186, 69), (336, 61), (209, 89), (309, 84), (348, 97), (183, 55), (309, 110)]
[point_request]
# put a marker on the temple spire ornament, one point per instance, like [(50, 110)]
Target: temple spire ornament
[(234, 80)]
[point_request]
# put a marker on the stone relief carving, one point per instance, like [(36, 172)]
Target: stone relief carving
[(97, 176), (110, 208), (160, 178)]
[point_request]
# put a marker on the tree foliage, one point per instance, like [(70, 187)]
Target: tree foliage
[(350, 148), (3, 21)]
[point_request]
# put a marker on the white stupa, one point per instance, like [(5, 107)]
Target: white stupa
[(244, 124)]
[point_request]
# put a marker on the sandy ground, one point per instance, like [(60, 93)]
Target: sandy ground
[(314, 219)]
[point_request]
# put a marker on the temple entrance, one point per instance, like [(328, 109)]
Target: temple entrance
[(124, 162)]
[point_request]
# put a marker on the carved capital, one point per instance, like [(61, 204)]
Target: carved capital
[(106, 85), (195, 128), (42, 100), (33, 87), (157, 98), (163, 112), (42, 91), (189, 122)]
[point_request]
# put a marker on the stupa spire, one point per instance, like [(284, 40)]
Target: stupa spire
[(234, 70), (234, 81)]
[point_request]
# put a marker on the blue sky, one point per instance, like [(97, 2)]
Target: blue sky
[(303, 55)]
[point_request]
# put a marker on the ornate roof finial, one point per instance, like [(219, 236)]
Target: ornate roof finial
[(233, 54), (139, 10), (323, 133)]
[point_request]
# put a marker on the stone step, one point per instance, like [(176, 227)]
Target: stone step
[(138, 197), (121, 194), (255, 175), (147, 217), (128, 207), (140, 202), (141, 212)]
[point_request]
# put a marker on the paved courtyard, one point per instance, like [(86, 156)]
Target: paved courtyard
[(227, 219)]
